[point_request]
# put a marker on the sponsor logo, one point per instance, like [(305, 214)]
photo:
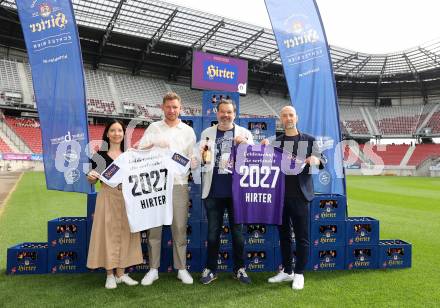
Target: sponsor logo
[(180, 159), (67, 138), (324, 143), (53, 21), (26, 268), (242, 88), (110, 171), (324, 177), (70, 156), (220, 72), (45, 10), (71, 176)]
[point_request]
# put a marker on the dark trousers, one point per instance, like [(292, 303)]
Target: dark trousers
[(215, 209), (296, 213)]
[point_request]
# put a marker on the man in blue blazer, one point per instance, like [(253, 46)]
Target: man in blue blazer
[(298, 194)]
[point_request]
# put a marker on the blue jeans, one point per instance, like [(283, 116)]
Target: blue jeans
[(215, 209)]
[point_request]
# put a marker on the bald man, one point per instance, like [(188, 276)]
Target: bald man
[(298, 194)]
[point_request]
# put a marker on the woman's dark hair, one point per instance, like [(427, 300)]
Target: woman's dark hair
[(106, 140)]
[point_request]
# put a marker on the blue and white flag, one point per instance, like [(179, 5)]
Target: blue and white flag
[(53, 47), (309, 74)]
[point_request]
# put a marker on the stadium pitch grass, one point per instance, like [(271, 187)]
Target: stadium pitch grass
[(408, 208)]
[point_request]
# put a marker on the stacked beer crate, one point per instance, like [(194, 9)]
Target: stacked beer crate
[(64, 252), (327, 232), (340, 242)]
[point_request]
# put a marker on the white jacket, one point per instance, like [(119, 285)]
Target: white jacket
[(211, 133)]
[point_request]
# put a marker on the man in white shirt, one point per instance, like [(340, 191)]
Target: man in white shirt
[(173, 133)]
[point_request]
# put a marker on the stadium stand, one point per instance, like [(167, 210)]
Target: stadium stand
[(97, 86), (96, 131), (427, 109), (393, 154), (423, 152), (351, 156), (400, 121), (100, 106), (142, 112), (28, 130), (27, 68), (276, 102), (353, 120), (9, 79), (4, 148), (434, 123), (190, 98), (139, 90)]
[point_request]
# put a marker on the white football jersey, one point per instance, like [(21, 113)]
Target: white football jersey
[(147, 184)]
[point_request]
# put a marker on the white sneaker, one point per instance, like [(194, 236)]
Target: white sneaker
[(185, 276), (127, 280), (298, 282), (280, 277), (150, 277), (110, 282)]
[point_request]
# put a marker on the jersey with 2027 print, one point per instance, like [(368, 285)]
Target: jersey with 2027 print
[(258, 184), (147, 185)]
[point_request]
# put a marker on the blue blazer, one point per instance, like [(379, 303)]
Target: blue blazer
[(305, 178)]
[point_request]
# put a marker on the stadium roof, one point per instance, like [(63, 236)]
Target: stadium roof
[(159, 21)]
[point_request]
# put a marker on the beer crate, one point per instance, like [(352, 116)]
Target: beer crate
[(225, 261), (327, 233), (362, 231), (327, 258), (208, 122), (194, 182), (144, 240), (394, 254), (278, 262), (193, 260), (66, 260), (205, 218), (259, 235), (192, 233), (195, 122), (143, 267), (67, 232), (361, 257), (91, 203), (260, 128), (328, 207), (27, 258), (225, 235), (259, 259), (194, 208), (276, 236)]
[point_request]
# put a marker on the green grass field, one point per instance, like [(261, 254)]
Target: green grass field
[(408, 209)]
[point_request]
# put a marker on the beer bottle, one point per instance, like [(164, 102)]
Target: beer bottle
[(206, 155)]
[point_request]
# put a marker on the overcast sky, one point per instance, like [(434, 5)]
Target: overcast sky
[(371, 26)]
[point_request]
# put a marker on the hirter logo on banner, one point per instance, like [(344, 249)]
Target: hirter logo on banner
[(45, 10)]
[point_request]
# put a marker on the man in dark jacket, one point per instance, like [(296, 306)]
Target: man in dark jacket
[(298, 194)]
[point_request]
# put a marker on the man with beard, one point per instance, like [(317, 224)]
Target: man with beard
[(217, 189)]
